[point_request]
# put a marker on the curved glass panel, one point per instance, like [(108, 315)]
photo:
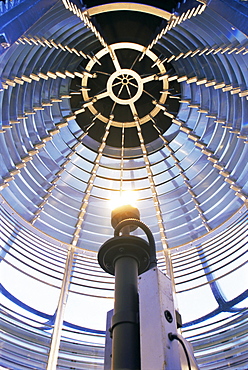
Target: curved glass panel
[(159, 108)]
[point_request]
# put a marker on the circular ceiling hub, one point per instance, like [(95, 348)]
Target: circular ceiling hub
[(125, 86), (128, 87), (121, 87)]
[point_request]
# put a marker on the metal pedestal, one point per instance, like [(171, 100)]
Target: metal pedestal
[(125, 257)]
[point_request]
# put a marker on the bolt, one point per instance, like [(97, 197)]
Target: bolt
[(168, 316)]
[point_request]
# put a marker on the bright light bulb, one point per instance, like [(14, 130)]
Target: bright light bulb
[(125, 197)]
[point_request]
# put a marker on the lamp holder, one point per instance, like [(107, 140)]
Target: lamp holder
[(125, 212)]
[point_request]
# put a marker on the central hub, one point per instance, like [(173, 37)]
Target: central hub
[(125, 86)]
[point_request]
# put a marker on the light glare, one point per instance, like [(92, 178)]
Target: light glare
[(126, 197)]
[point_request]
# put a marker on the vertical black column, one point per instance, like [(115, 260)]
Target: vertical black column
[(126, 257), (125, 324)]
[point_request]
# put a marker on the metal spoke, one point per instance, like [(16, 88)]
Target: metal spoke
[(155, 198), (57, 330), (135, 85), (149, 78), (135, 61), (146, 92), (133, 110), (101, 72), (122, 157), (117, 83), (119, 93), (90, 185), (114, 58), (128, 91), (112, 109), (102, 95)]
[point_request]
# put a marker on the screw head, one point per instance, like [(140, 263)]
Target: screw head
[(168, 316)]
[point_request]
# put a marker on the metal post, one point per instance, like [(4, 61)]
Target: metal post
[(126, 257), (57, 330), (125, 325)]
